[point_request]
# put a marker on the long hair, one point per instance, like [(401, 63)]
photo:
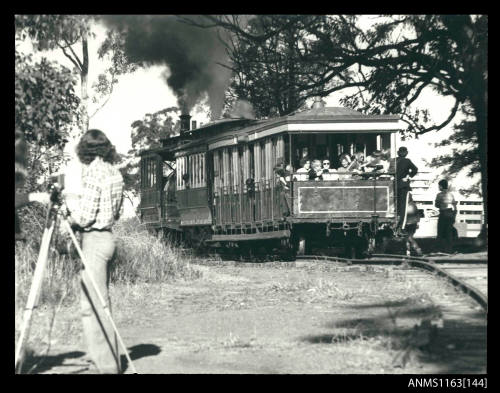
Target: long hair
[(94, 143)]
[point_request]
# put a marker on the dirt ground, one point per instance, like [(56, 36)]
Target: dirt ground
[(284, 318)]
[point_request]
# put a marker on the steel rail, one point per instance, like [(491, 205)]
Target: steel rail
[(417, 262)]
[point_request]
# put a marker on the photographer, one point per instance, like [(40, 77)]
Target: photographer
[(100, 205)]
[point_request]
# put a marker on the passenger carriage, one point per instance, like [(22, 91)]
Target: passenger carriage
[(216, 184)]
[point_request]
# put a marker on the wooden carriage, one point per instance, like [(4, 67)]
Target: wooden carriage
[(226, 189)]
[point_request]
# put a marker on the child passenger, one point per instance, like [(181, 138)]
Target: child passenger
[(345, 161), (317, 172)]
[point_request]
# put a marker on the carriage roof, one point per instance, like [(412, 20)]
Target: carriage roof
[(230, 131)]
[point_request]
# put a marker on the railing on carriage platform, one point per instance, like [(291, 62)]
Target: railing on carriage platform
[(239, 205)]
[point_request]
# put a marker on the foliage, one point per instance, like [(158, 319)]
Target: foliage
[(67, 33), (48, 32), (112, 49), (52, 31), (45, 103), (147, 134), (269, 73), (46, 109), (465, 153)]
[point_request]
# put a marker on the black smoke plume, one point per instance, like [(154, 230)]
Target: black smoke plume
[(191, 53)]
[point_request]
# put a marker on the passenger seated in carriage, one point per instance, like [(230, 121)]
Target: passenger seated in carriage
[(345, 163), (328, 173), (326, 166), (303, 171), (376, 163), (358, 162), (316, 173)]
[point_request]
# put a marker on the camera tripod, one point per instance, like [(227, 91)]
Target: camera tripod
[(53, 213)]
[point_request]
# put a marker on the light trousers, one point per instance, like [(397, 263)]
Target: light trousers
[(102, 344)]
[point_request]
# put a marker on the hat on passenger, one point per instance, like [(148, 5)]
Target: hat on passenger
[(377, 153), (402, 151)]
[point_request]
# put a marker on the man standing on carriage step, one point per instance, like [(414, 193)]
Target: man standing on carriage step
[(405, 169)]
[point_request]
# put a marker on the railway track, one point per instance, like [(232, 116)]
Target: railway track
[(462, 322), (470, 276)]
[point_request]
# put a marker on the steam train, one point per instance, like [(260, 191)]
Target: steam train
[(215, 186)]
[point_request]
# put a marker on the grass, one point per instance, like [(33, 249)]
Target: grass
[(141, 258)]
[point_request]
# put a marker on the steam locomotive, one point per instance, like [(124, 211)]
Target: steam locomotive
[(215, 186)]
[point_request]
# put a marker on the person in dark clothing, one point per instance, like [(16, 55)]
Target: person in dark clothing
[(405, 169), (445, 202), (283, 188)]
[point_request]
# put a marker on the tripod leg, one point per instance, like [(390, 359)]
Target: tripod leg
[(34, 293), (99, 295)]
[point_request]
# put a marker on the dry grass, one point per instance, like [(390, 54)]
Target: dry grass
[(141, 259), (144, 257)]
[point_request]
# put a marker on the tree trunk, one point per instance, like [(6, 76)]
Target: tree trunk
[(84, 83), (483, 159), (479, 103)]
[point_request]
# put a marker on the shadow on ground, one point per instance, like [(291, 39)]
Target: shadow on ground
[(35, 364), (139, 351), (457, 346)]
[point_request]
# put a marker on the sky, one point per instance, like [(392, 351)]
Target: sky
[(145, 91)]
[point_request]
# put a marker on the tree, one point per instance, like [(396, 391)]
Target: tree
[(465, 153), (46, 109), (147, 134), (70, 34), (269, 73), (392, 61), (265, 54)]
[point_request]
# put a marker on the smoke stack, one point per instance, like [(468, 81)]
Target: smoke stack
[(185, 119), (318, 103)]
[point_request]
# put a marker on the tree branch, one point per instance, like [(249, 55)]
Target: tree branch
[(444, 123), (76, 64)]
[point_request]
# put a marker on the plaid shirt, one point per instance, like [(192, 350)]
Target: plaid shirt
[(101, 202)]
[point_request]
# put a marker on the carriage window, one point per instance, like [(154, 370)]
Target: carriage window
[(386, 142), (182, 169), (229, 169), (274, 152), (321, 146), (286, 148), (262, 160), (251, 162), (148, 170), (194, 166), (332, 146)]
